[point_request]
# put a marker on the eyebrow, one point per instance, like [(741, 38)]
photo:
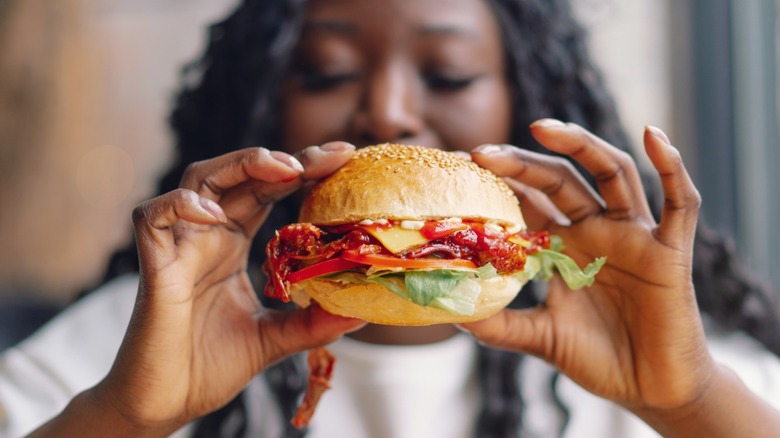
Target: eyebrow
[(447, 29), (352, 29), (332, 26)]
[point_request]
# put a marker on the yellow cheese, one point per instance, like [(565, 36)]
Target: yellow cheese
[(520, 241), (397, 239)]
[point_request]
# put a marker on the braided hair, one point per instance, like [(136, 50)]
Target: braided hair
[(228, 100)]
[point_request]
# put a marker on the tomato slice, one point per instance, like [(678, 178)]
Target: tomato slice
[(322, 268), (389, 261)]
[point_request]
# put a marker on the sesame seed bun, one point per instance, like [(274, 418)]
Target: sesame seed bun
[(391, 181)]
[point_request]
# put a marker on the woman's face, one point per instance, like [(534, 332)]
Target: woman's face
[(424, 72)]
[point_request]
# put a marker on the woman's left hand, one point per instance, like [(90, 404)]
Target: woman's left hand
[(635, 336)]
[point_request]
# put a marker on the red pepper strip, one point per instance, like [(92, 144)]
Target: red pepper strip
[(322, 268), (397, 262), (320, 371)]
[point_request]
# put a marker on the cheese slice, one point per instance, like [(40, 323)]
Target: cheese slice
[(520, 241), (397, 239)]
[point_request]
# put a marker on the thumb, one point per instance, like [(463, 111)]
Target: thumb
[(286, 333), (526, 331)]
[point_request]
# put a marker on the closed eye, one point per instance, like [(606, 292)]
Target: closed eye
[(438, 82), (312, 80)]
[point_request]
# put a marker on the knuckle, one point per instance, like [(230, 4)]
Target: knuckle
[(519, 166), (624, 159), (565, 166), (622, 162), (554, 187), (695, 199), (192, 171), (675, 156), (251, 156), (558, 165), (140, 213), (584, 135), (586, 138), (184, 195)]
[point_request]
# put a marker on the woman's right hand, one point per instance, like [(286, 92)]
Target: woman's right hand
[(198, 333)]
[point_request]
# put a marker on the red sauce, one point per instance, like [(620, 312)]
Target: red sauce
[(299, 245), (437, 229)]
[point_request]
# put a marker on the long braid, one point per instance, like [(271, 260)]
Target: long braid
[(288, 381), (228, 421), (735, 299), (502, 401)]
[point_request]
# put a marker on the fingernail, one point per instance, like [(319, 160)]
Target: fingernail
[(337, 146), (659, 134), (488, 149), (548, 123), (462, 329), (288, 160), (462, 154), (213, 209)]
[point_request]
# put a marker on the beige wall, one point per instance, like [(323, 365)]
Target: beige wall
[(85, 92), (85, 87), (630, 40)]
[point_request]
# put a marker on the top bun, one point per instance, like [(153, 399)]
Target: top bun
[(391, 181)]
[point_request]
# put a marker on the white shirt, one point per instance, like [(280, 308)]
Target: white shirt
[(380, 391), (377, 391)]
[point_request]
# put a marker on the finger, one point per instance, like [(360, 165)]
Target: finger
[(681, 199), (211, 178), (317, 161), (614, 170), (321, 161), (154, 219), (245, 182), (462, 154), (286, 333), (554, 176), (526, 331)]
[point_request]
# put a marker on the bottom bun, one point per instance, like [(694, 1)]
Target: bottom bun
[(378, 305)]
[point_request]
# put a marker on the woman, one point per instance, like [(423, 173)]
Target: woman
[(454, 76)]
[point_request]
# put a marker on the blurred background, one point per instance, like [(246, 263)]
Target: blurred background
[(86, 85)]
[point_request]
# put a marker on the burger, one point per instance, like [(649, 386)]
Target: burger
[(407, 235)]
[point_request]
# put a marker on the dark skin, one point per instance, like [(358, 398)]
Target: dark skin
[(407, 73), (198, 333)]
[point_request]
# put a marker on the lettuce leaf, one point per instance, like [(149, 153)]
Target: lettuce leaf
[(449, 290), (424, 286), (456, 291), (541, 265), (461, 300)]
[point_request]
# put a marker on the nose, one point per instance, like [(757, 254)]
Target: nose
[(389, 110)]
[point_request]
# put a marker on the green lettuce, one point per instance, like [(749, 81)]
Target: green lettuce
[(424, 286), (542, 264), (450, 290), (456, 291)]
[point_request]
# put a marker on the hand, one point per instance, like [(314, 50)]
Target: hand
[(635, 335), (198, 333)]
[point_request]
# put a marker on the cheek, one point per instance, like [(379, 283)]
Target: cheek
[(313, 119), (481, 115)]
